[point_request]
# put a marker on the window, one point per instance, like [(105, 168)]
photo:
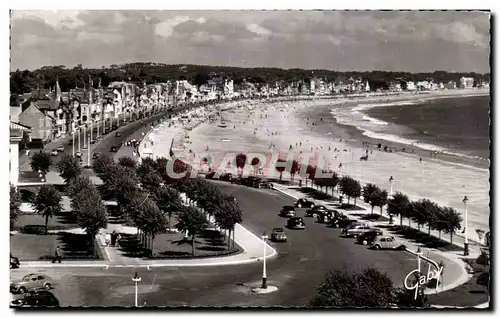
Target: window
[(382, 239), (41, 277), (390, 239)]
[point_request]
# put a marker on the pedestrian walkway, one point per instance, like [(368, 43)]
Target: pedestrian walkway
[(456, 270)]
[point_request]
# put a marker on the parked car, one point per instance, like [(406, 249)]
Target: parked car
[(304, 203), (60, 149), (315, 211), (287, 211), (296, 223), (31, 281), (113, 149), (368, 238), (249, 182), (14, 262), (237, 180), (210, 175), (278, 235), (78, 154), (262, 184), (96, 155), (387, 242), (325, 216), (356, 229), (40, 298), (226, 177), (54, 153), (93, 141), (341, 221)]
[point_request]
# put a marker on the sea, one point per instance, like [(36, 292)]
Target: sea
[(457, 126)]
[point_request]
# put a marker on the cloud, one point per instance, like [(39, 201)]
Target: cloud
[(306, 39)]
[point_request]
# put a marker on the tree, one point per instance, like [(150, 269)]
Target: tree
[(405, 298), (191, 221), (379, 198), (41, 161), (151, 181), (127, 162), (91, 214), (153, 222), (78, 185), (47, 203), (452, 223), (15, 205), (168, 200), (438, 222), (227, 214), (351, 188), (311, 172), (102, 164), (398, 205), (69, 168), (368, 192), (368, 288), (423, 211)]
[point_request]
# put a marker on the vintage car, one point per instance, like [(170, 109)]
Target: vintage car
[(315, 211), (296, 223), (14, 262), (287, 211), (368, 238), (304, 203), (278, 235), (31, 281), (356, 229), (387, 242)]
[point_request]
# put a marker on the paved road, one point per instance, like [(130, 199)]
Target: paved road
[(296, 271)]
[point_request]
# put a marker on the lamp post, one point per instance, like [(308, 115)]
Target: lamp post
[(466, 242), (264, 274), (79, 139), (419, 253), (88, 146), (136, 279), (391, 179), (73, 142)]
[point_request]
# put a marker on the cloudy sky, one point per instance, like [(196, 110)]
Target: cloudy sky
[(336, 40)]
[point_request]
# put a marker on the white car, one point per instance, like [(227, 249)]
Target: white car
[(54, 153), (387, 242)]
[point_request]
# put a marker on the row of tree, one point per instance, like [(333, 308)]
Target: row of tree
[(23, 81), (423, 211), (148, 196)]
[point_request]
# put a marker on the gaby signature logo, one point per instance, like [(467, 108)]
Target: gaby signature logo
[(422, 280)]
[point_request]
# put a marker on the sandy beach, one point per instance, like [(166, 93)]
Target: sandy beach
[(267, 127)]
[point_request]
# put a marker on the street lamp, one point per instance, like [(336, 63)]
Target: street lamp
[(136, 279), (264, 274), (466, 242), (419, 253), (391, 179), (79, 134), (73, 141), (340, 170)]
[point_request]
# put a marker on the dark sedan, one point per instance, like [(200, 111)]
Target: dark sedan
[(340, 221), (287, 211), (262, 184), (326, 216), (315, 211), (296, 223), (368, 238), (226, 177), (304, 203)]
